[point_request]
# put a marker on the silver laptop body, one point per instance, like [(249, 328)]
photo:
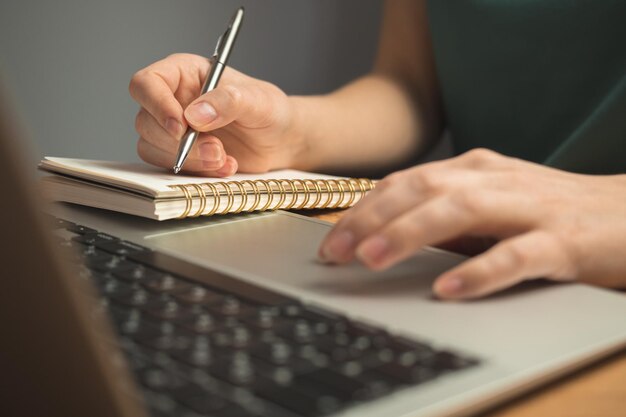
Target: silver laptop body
[(521, 338)]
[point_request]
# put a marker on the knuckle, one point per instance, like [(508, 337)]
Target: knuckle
[(179, 57), (176, 56), (481, 156), (136, 83), (162, 100), (391, 180), (233, 95), (427, 180), (564, 259), (472, 202), (517, 257)]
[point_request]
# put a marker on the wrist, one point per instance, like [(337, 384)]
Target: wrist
[(297, 144)]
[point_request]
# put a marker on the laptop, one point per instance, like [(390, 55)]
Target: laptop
[(105, 314)]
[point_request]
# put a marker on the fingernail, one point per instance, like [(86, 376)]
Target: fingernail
[(373, 250), (449, 286), (201, 113), (338, 247), (211, 152), (174, 127)]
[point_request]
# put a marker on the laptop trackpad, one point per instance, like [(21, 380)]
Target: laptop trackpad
[(281, 249)]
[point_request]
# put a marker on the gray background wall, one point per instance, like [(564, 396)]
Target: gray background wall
[(67, 63)]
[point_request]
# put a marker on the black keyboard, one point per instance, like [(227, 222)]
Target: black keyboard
[(204, 344)]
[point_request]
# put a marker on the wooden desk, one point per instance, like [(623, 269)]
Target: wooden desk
[(596, 391)]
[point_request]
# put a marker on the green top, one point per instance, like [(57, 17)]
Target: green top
[(542, 80)]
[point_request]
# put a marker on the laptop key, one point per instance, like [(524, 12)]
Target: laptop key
[(95, 238), (166, 284), (137, 363), (413, 374), (448, 361), (278, 352), (136, 273), (201, 323), (59, 223), (195, 357), (198, 294), (198, 399), (236, 411), (308, 404), (401, 344), (168, 309), (103, 262), (281, 354), (375, 337), (137, 328), (256, 406), (158, 379), (279, 374), (120, 247), (299, 331), (338, 347), (136, 297), (232, 306), (355, 389), (160, 404), (265, 318), (237, 370), (112, 287), (166, 342), (80, 230), (376, 385)]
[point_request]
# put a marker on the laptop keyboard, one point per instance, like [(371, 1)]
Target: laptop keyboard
[(203, 344)]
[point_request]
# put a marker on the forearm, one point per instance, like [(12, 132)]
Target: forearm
[(371, 123)]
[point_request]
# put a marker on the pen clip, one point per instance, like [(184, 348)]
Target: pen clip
[(224, 42), (218, 46)]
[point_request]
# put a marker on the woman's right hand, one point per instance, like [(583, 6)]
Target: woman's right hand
[(246, 124)]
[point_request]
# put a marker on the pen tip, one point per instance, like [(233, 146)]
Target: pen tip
[(176, 169)]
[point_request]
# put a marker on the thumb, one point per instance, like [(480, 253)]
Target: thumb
[(220, 107)]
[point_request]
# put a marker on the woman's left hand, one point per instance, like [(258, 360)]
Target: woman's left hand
[(548, 223)]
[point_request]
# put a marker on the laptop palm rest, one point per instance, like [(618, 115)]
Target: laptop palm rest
[(283, 248), (279, 251)]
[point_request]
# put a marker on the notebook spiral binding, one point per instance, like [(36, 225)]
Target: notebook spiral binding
[(279, 191)]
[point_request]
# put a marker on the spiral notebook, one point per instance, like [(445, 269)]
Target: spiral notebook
[(143, 190)]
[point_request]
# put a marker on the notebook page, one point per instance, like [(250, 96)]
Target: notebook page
[(149, 180)]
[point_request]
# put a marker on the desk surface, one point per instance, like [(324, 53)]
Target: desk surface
[(599, 390)]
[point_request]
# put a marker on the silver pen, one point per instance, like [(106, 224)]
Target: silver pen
[(218, 63)]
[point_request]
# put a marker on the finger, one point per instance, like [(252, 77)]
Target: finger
[(394, 195), (150, 129), (154, 95), (527, 256), (162, 86), (230, 167), (164, 158), (207, 148), (443, 218), (227, 103), (376, 210)]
